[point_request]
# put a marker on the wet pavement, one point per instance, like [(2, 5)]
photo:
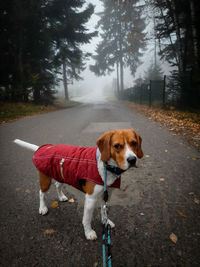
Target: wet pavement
[(157, 199)]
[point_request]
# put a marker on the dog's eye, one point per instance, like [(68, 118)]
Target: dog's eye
[(117, 146), (134, 144)]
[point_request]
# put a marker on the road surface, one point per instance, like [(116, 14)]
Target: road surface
[(157, 199)]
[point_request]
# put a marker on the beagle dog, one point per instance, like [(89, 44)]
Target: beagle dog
[(83, 168)]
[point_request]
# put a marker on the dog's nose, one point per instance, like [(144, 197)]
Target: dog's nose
[(131, 160)]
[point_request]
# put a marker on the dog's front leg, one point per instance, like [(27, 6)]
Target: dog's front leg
[(90, 203)]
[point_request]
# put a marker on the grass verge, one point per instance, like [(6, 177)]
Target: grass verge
[(13, 111)]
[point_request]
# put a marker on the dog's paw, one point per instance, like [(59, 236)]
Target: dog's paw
[(112, 225), (62, 198), (91, 235), (43, 210)]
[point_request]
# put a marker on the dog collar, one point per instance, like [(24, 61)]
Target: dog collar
[(113, 169)]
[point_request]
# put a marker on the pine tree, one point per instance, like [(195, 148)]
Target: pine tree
[(37, 39), (154, 72), (177, 30), (69, 33), (122, 38)]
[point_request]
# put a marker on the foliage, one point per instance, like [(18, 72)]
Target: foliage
[(11, 111), (185, 123), (154, 72), (174, 87), (177, 29), (36, 37), (123, 37)]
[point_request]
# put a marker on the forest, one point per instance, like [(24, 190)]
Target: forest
[(40, 40), (41, 45)]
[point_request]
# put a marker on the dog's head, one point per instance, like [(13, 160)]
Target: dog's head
[(122, 146)]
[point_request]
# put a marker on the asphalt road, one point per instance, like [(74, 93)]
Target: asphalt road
[(157, 199)]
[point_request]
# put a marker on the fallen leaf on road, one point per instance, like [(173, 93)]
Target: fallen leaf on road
[(181, 214), (54, 204), (166, 150), (71, 200), (173, 238), (193, 158), (181, 123), (196, 200), (191, 193), (125, 188), (162, 179), (49, 231), (27, 191)]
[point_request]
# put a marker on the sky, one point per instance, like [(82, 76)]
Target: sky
[(93, 85)]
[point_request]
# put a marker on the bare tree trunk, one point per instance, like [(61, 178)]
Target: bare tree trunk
[(121, 61), (175, 18), (65, 84), (121, 74), (120, 51), (117, 79), (155, 44), (194, 32), (172, 8), (19, 95)]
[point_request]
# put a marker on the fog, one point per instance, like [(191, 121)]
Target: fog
[(93, 88)]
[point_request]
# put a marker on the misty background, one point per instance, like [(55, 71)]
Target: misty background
[(101, 88), (143, 51)]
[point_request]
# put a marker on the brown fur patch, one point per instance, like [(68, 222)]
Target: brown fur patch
[(108, 141), (45, 182), (88, 187)]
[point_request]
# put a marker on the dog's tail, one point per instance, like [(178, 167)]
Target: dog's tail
[(26, 144)]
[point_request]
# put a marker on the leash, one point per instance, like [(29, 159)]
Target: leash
[(106, 233)]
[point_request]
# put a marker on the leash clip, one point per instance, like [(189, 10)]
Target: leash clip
[(104, 215)]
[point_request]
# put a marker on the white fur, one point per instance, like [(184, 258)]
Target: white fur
[(112, 225), (90, 203), (90, 200), (128, 153), (110, 176), (43, 207), (26, 145), (61, 195)]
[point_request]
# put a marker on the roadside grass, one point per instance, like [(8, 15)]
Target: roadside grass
[(185, 123), (13, 111)]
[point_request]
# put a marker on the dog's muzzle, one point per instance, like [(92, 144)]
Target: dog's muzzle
[(132, 161)]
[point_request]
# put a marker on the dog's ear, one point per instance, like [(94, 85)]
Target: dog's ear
[(140, 153), (104, 145)]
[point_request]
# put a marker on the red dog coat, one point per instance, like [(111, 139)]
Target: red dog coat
[(69, 164)]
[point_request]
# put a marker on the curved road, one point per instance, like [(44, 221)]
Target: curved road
[(157, 199)]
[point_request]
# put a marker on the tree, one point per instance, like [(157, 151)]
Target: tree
[(37, 39), (178, 25), (122, 39), (67, 36), (154, 72)]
